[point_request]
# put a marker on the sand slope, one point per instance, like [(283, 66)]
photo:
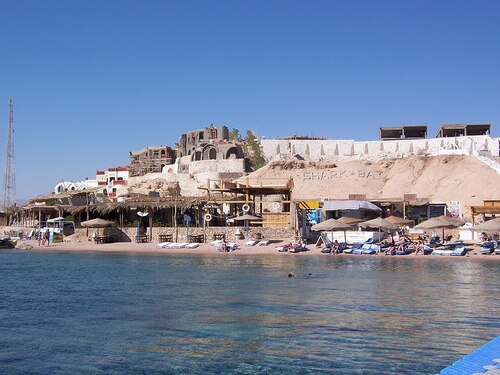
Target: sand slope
[(438, 178)]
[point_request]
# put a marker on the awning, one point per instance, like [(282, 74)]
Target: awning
[(355, 205)]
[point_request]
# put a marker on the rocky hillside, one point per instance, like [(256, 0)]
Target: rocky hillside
[(438, 178)]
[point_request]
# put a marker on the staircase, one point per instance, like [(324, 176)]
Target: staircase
[(489, 161)]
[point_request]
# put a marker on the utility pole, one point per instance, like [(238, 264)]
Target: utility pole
[(9, 180)]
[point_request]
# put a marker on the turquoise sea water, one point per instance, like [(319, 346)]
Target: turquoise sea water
[(94, 313)]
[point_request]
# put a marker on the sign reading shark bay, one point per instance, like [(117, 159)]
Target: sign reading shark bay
[(339, 174)]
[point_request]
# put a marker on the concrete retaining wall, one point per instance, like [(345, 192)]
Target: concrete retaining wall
[(129, 234), (377, 150)]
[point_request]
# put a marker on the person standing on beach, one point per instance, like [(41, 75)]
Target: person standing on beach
[(46, 237)]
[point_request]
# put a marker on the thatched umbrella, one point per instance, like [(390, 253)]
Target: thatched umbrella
[(454, 220), (332, 225), (380, 224), (247, 218), (96, 223), (349, 220), (399, 221), (489, 226), (437, 223)]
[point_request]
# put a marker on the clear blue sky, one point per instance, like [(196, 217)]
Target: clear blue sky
[(92, 80)]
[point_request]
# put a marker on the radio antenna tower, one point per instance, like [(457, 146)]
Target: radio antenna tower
[(9, 180)]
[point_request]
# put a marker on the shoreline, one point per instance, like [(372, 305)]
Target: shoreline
[(207, 249)]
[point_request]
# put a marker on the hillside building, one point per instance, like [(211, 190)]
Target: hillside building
[(211, 143), (150, 160)]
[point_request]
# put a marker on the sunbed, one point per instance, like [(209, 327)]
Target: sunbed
[(163, 244), (487, 247)]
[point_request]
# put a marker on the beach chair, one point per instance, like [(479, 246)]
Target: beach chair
[(192, 245), (180, 245), (342, 247), (162, 245), (251, 243), (231, 246), (264, 242)]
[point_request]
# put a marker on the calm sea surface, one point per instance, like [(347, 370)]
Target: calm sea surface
[(78, 313)]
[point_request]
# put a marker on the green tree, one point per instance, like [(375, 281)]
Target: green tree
[(255, 151), (234, 135)]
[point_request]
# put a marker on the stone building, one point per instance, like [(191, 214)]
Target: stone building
[(211, 143), (150, 160)]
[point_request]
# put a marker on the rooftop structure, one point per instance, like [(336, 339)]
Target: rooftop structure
[(403, 132), (458, 130)]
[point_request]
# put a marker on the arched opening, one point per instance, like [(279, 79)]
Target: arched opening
[(232, 153), (212, 154)]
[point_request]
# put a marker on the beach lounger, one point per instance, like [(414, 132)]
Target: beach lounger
[(192, 245), (264, 242), (180, 245), (163, 245), (251, 243), (231, 246)]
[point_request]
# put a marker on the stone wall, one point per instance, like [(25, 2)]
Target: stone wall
[(377, 150), (129, 234)]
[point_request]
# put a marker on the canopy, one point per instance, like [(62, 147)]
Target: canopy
[(355, 205), (490, 225), (60, 218), (399, 221), (379, 223), (97, 223)]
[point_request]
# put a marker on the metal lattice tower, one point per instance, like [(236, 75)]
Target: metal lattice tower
[(9, 180)]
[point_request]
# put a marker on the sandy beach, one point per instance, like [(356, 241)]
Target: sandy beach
[(207, 249)]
